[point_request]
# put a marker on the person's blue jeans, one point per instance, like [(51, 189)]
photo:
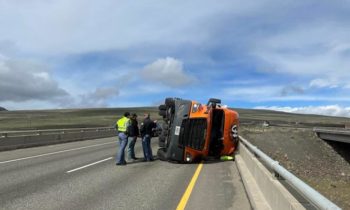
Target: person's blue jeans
[(146, 146), (123, 141), (131, 147)]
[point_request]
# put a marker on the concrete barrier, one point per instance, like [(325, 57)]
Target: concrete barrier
[(21, 139), (263, 189), (271, 186)]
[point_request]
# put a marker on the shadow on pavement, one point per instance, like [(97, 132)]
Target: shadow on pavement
[(141, 160)]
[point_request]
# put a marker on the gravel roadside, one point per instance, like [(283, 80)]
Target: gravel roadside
[(324, 166)]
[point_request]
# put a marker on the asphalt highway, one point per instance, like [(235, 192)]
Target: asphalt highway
[(83, 175)]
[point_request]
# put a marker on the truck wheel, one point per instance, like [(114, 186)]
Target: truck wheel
[(165, 127), (161, 138), (169, 102), (162, 113), (162, 107), (169, 113), (214, 101), (161, 144), (161, 154)]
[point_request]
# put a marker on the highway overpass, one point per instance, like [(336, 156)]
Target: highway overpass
[(333, 134)]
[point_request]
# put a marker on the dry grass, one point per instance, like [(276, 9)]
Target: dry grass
[(66, 118), (324, 166)]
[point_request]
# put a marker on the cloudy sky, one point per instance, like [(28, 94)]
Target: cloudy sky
[(283, 55)]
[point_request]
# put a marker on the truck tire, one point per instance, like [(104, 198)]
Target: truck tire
[(162, 107), (170, 102), (165, 127), (161, 138), (161, 154), (162, 113), (170, 113), (215, 101), (161, 144)]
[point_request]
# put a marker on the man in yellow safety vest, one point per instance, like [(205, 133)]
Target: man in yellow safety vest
[(122, 128)]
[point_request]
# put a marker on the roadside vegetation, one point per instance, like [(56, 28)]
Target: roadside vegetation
[(66, 118), (104, 117)]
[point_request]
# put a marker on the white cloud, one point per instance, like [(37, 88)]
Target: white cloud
[(322, 83), (85, 25), (29, 105), (26, 80), (97, 98), (330, 110), (276, 93), (311, 50), (253, 91), (234, 37), (167, 71), (260, 93), (292, 90)]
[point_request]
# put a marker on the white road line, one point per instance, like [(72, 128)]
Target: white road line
[(53, 153), (91, 164)]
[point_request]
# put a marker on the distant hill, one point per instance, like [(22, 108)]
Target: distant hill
[(2, 109)]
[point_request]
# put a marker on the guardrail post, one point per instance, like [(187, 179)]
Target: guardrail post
[(277, 176)]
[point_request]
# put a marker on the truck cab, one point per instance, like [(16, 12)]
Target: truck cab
[(193, 131)]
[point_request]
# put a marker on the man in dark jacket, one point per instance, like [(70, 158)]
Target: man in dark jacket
[(133, 131), (147, 128)]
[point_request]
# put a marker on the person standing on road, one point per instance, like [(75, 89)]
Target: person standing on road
[(133, 134), (122, 126), (147, 128)]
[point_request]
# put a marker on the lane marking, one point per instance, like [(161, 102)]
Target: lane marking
[(189, 189), (53, 153), (91, 164)]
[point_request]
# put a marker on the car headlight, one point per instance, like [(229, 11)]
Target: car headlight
[(188, 157)]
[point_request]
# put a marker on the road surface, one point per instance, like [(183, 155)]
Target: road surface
[(83, 175)]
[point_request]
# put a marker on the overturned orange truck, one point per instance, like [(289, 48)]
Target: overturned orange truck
[(193, 131)]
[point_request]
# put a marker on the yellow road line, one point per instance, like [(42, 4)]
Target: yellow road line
[(189, 189)]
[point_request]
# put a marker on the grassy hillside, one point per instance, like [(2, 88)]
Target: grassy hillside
[(81, 118), (66, 118), (276, 117)]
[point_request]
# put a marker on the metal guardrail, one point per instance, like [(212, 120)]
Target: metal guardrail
[(333, 134), (5, 134), (305, 190), (10, 140), (333, 130)]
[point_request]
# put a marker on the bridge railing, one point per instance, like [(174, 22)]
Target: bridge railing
[(318, 200), (333, 134)]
